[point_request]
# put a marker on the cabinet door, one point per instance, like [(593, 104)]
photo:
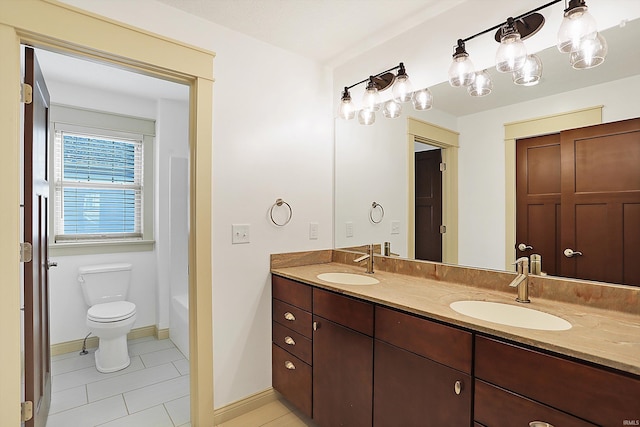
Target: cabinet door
[(412, 391), (342, 376)]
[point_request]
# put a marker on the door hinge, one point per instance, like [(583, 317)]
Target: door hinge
[(26, 252), (443, 167), (26, 93), (26, 411), (443, 229)]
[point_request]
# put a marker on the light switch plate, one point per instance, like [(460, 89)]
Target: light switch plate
[(349, 227), (240, 233), (395, 227), (313, 231)]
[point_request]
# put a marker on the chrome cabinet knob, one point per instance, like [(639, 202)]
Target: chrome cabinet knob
[(289, 365), (539, 424), (289, 341), (289, 316), (570, 253), (523, 247), (316, 325)]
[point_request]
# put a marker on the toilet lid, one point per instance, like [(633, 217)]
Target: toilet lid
[(111, 311)]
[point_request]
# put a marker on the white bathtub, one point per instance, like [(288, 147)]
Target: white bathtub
[(179, 323)]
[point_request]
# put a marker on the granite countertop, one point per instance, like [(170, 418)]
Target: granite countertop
[(606, 337)]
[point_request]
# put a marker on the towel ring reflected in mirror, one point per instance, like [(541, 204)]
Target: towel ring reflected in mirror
[(279, 203), (376, 213)]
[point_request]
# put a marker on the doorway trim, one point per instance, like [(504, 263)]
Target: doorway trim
[(523, 129), (66, 29), (447, 140)]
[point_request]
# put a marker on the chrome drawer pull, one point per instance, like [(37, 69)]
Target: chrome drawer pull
[(289, 316), (289, 365), (457, 387), (539, 424), (289, 340)]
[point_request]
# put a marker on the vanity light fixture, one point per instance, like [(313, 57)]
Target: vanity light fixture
[(482, 84), (578, 36), (512, 53), (530, 73), (347, 110), (577, 25), (461, 70), (402, 91)]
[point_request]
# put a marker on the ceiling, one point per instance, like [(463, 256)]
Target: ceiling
[(328, 31)]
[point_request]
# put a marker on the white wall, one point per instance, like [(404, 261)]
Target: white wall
[(272, 137), (482, 162)]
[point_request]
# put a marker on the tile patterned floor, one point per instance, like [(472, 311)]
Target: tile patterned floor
[(152, 392)]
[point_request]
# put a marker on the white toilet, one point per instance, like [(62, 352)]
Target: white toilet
[(109, 317)]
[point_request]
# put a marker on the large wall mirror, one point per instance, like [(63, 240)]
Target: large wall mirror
[(375, 163)]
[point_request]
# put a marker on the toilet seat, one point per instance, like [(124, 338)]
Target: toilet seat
[(111, 311)]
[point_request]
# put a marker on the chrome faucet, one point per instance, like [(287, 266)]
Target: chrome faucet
[(387, 250), (521, 280), (369, 258)]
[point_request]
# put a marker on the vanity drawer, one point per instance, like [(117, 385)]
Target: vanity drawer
[(597, 395), (291, 292), (441, 343), (293, 342), (292, 378), (497, 407), (349, 312), (292, 317)]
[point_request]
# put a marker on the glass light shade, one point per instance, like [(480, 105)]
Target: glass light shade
[(577, 25), (482, 85), (530, 73), (461, 71), (371, 99), (392, 109), (346, 110), (590, 53), (422, 99), (511, 54), (366, 117), (402, 88)]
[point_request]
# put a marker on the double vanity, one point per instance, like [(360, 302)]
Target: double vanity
[(426, 344)]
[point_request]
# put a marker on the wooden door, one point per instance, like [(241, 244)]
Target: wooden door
[(413, 391), (342, 376), (36, 278), (428, 205), (601, 202), (538, 200)]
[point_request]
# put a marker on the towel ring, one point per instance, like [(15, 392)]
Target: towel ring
[(280, 202), (375, 205)]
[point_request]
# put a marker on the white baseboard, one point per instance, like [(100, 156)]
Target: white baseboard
[(243, 406)]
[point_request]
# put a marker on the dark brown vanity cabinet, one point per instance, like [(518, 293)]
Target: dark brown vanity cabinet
[(342, 360), (422, 372), (291, 342), (515, 385)]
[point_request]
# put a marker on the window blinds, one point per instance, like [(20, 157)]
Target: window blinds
[(98, 184)]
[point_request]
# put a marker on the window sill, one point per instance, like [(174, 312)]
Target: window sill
[(90, 248)]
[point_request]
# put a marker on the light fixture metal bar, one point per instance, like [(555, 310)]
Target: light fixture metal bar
[(374, 76), (495, 27)]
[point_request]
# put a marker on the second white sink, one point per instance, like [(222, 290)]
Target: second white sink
[(511, 315), (348, 278)]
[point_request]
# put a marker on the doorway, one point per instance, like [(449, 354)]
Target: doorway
[(127, 105), (428, 202), (132, 49), (578, 201)]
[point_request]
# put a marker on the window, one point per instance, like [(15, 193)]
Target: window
[(98, 186), (102, 183)]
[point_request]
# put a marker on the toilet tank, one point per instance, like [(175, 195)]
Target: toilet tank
[(104, 282)]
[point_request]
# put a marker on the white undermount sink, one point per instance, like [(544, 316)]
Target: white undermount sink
[(348, 278), (511, 315)]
